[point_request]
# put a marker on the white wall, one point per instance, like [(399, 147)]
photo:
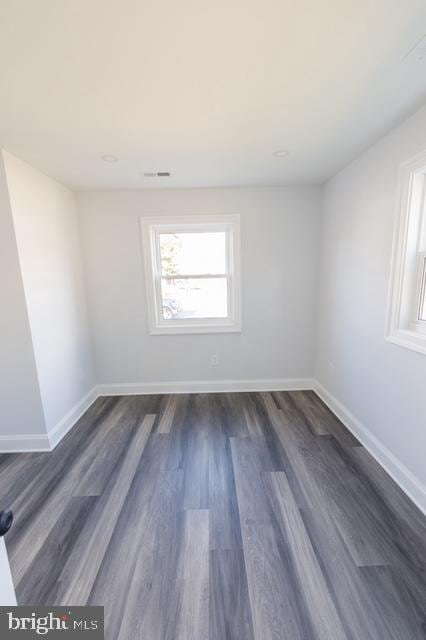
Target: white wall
[(7, 590), (46, 228), (21, 411), (381, 384), (280, 232)]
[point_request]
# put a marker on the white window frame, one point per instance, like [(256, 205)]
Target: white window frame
[(403, 326), (151, 227)]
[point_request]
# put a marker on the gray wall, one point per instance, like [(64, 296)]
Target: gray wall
[(383, 385), (20, 401), (46, 227), (280, 232)]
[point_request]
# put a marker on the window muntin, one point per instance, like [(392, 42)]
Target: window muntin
[(192, 270)]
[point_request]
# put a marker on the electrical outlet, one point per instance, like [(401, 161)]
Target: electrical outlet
[(215, 359)]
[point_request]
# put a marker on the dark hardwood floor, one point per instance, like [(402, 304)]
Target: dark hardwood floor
[(255, 516)]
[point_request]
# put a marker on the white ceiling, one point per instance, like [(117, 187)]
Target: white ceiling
[(207, 89)]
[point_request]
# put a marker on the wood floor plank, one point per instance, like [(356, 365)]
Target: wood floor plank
[(321, 477), (230, 613), (298, 451), (252, 417), (194, 434), (147, 526), (155, 564), (80, 572), (344, 578), (402, 541), (232, 414), (225, 532), (95, 479), (192, 584), (397, 614), (43, 502), (319, 417), (31, 473), (274, 592), (252, 503), (389, 491), (275, 599), (354, 509), (16, 471), (319, 602), (167, 416), (311, 412), (39, 586), (196, 470)]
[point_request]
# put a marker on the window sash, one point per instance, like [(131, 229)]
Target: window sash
[(195, 321), (199, 229)]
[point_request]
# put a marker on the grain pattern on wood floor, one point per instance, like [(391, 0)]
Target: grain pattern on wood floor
[(251, 516)]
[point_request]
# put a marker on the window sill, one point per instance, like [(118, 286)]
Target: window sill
[(419, 327), (413, 340), (179, 329)]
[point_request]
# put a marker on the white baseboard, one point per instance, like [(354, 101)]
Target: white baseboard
[(204, 386), (24, 443), (28, 443), (406, 480), (47, 442), (56, 434)]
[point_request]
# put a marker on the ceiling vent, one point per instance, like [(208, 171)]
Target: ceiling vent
[(156, 174)]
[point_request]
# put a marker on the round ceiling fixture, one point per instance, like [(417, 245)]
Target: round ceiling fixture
[(281, 153), (109, 158)]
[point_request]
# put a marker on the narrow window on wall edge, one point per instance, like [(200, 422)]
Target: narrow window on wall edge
[(406, 314)]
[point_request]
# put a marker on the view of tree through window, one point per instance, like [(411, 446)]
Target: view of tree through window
[(193, 275)]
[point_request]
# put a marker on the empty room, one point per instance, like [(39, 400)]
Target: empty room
[(213, 319)]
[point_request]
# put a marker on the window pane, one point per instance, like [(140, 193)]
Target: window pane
[(422, 306), (194, 298), (193, 253)]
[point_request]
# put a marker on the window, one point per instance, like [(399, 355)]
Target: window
[(192, 268), (406, 322)]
